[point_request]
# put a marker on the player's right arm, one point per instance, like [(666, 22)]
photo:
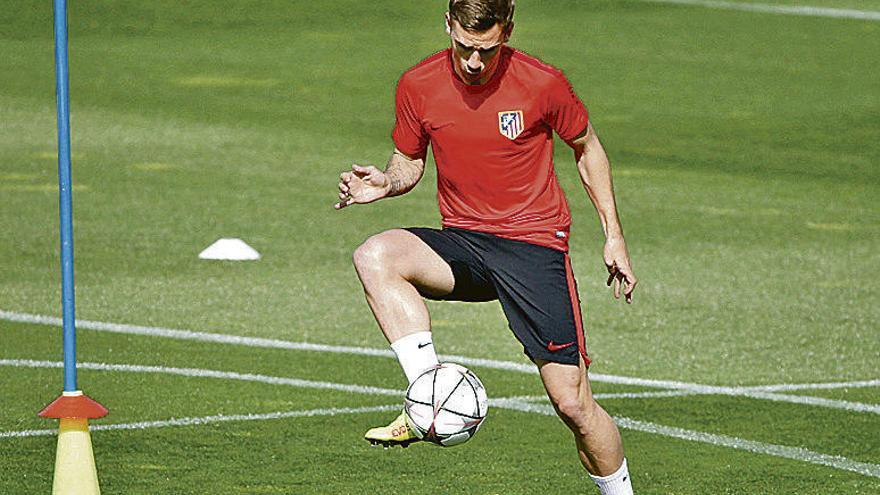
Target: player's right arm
[(367, 184)]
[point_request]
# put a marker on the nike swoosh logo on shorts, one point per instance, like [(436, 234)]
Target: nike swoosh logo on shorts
[(558, 347), (424, 344)]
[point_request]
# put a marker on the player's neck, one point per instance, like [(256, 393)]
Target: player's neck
[(488, 75)]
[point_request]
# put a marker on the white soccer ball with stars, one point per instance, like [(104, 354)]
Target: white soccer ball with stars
[(446, 405)]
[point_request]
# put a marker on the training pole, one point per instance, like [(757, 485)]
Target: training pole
[(75, 471)]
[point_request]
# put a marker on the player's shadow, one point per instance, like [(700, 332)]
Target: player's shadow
[(474, 99)]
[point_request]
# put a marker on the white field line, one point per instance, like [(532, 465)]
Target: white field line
[(794, 453), (814, 401), (644, 395), (219, 418), (794, 399), (274, 380), (201, 373), (218, 338), (752, 394), (623, 395), (514, 403), (813, 386), (692, 388), (865, 15)]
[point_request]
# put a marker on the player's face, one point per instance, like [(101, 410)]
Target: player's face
[(475, 54)]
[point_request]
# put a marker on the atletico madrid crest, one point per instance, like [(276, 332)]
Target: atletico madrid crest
[(510, 123)]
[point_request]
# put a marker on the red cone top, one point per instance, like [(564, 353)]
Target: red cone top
[(74, 405)]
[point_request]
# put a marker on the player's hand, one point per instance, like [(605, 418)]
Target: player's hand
[(361, 185), (620, 271)]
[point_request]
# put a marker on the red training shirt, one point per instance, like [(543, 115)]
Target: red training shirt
[(493, 143)]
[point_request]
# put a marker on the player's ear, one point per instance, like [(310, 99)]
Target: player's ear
[(448, 24), (507, 31)]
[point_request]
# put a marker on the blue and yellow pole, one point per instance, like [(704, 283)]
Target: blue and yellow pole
[(75, 471)]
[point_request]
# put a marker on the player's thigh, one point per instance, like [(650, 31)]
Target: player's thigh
[(566, 384), (404, 254)]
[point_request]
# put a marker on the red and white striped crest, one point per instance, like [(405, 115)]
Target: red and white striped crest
[(510, 123)]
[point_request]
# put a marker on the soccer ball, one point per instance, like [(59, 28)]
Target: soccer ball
[(446, 405)]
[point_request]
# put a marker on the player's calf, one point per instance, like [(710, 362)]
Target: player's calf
[(596, 436)]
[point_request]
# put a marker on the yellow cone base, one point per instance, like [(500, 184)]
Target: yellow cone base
[(75, 472)]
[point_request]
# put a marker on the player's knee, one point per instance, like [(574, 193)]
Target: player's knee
[(373, 257), (570, 408), (575, 410)]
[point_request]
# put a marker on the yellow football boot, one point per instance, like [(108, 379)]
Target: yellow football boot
[(397, 433)]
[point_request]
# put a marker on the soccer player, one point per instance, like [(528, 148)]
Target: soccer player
[(488, 113)]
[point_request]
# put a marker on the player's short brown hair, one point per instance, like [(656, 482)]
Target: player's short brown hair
[(481, 15)]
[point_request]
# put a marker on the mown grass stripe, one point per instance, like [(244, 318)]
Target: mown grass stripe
[(514, 403), (803, 10), (794, 453), (691, 388), (219, 418), (202, 373), (219, 338)]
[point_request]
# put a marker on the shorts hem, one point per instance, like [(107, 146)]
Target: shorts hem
[(555, 358)]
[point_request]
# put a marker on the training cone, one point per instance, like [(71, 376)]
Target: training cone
[(229, 249), (75, 471)]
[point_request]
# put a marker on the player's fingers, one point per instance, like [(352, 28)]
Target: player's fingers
[(627, 273), (357, 171), (617, 287), (631, 282), (612, 272), (343, 187), (362, 170), (343, 202)]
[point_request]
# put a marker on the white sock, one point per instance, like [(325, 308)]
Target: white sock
[(415, 353), (615, 484)]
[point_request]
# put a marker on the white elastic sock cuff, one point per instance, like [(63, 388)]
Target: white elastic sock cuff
[(615, 484), (415, 352)]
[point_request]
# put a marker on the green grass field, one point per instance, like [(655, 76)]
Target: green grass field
[(747, 168)]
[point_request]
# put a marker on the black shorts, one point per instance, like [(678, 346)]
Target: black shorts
[(534, 284)]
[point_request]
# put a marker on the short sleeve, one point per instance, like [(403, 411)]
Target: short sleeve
[(409, 136), (563, 110)]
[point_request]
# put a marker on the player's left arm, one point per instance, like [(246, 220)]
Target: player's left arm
[(595, 173)]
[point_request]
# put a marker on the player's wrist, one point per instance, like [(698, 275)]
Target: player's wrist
[(614, 234), (394, 185), (388, 188)]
